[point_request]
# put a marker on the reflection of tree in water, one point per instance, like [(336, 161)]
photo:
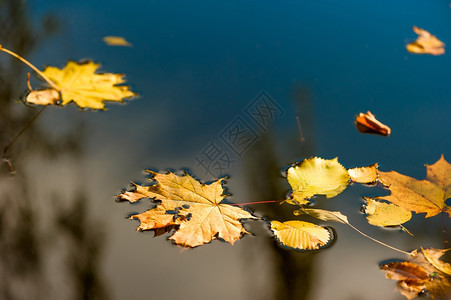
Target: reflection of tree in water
[(24, 235), (291, 270)]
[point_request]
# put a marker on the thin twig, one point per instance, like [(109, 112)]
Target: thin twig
[(23, 130), (31, 66), (298, 121)]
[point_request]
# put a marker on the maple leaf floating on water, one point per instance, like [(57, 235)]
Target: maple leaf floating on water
[(420, 196), (195, 208), (367, 123), (426, 43), (79, 82), (423, 273)]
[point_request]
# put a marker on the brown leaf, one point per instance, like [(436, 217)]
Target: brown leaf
[(421, 196), (196, 209), (418, 275), (367, 123), (426, 43)]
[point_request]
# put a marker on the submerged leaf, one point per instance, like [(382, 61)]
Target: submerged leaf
[(196, 209), (419, 275), (300, 235), (421, 196), (317, 176), (426, 43), (364, 174), (79, 82), (367, 123), (385, 214)]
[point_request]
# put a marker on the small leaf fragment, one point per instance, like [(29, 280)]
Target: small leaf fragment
[(317, 176), (44, 97), (385, 214), (367, 123), (364, 174), (116, 41), (426, 43), (300, 235)]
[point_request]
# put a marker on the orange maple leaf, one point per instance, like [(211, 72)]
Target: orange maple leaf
[(196, 209), (420, 196)]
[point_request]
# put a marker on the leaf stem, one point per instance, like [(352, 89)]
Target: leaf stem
[(31, 66), (377, 241), (257, 202)]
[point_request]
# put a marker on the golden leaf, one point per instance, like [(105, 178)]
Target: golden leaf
[(316, 176), (432, 256), (385, 214), (418, 275), (116, 41), (364, 174), (78, 82), (44, 97), (421, 196), (300, 235), (324, 215), (426, 43), (196, 209)]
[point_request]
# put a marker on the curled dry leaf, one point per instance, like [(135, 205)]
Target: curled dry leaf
[(385, 214), (79, 82), (426, 43), (116, 41), (364, 174), (44, 97), (367, 123), (420, 196), (300, 235), (316, 176), (196, 210), (418, 275)]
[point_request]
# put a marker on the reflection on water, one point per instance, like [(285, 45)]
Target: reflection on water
[(30, 240)]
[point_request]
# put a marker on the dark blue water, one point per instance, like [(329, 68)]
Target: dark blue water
[(199, 68)]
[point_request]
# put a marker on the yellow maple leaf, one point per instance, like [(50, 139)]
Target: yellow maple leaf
[(420, 196), (197, 209), (316, 176), (300, 235), (418, 274), (426, 43), (79, 82)]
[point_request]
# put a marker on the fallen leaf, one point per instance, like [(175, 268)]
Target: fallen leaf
[(364, 174), (195, 208), (116, 41), (418, 275), (300, 235), (385, 214), (79, 83), (420, 196), (426, 43), (44, 97), (316, 176), (367, 123), (324, 215), (432, 256)]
